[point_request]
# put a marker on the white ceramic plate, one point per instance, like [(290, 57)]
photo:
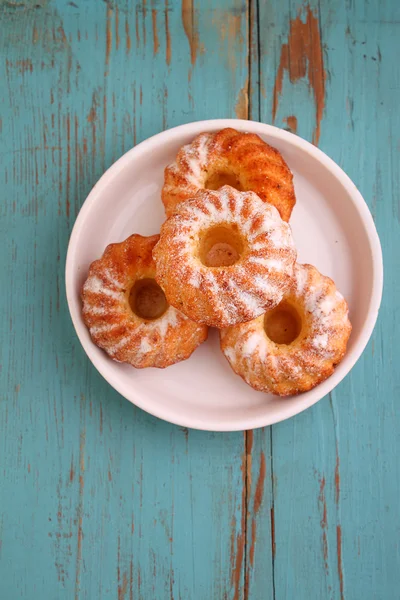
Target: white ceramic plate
[(333, 230)]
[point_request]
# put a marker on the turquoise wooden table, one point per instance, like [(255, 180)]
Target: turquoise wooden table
[(99, 500)]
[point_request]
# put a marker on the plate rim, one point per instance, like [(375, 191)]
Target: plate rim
[(324, 388)]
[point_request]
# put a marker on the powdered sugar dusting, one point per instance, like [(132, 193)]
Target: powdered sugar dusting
[(124, 335), (95, 285), (280, 237), (242, 155), (195, 156), (263, 283), (251, 344), (311, 298), (301, 280), (119, 345), (230, 354), (320, 341), (145, 346), (328, 303), (111, 279), (98, 310), (105, 328), (223, 303), (195, 279), (270, 263), (311, 357), (232, 293), (168, 319), (250, 302), (325, 304), (137, 333)]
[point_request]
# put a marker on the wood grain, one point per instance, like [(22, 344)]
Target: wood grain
[(335, 475), (98, 499)]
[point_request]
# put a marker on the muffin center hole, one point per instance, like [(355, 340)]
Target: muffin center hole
[(220, 178), (282, 324), (147, 300), (220, 247)]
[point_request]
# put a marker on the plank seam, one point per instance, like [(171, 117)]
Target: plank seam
[(273, 543), (258, 40)]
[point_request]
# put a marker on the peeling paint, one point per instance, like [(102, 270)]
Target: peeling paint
[(123, 587), (68, 176), (156, 43), (117, 40), (72, 471), (238, 541), (273, 544), (249, 440), (22, 66), (322, 501), (128, 40), (189, 25), (108, 36), (80, 509), (131, 580), (167, 36), (301, 56), (324, 522), (237, 570), (137, 32), (339, 560), (258, 496), (249, 436), (242, 104), (291, 121), (144, 14), (235, 39), (337, 479)]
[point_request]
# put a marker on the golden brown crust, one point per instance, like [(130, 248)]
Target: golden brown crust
[(113, 325), (308, 360), (224, 295), (256, 166)]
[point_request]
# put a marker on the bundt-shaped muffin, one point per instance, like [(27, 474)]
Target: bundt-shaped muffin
[(298, 344), (127, 313), (230, 157), (224, 257)]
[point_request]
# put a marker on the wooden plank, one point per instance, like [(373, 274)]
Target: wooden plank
[(327, 72), (92, 503), (98, 499), (260, 543)]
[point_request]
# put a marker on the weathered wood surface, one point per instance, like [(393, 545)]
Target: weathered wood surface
[(98, 499)]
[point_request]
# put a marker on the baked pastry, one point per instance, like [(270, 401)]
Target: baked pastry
[(298, 344), (229, 157), (224, 257), (127, 313)]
